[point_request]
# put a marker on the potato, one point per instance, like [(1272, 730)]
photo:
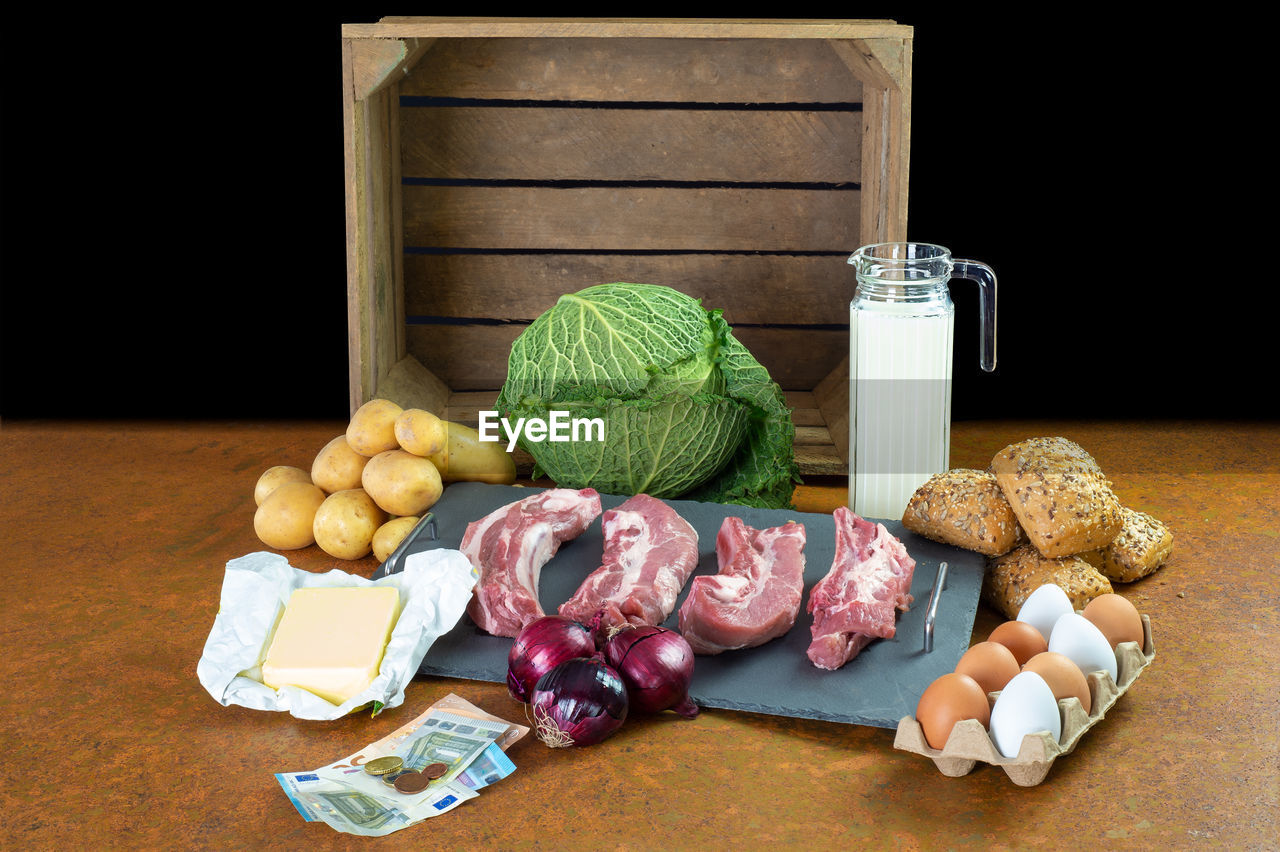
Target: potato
[(345, 523), (372, 429), (390, 534), (286, 517), (468, 459), (337, 467), (420, 432), (402, 483), (273, 477)]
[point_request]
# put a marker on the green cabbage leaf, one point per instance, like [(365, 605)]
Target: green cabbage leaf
[(687, 411)]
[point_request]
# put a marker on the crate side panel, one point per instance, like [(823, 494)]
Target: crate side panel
[(375, 285)]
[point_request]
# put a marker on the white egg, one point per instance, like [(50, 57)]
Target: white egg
[(1044, 606), (1025, 706), (1080, 640)]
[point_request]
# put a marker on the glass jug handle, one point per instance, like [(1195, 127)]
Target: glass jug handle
[(986, 278)]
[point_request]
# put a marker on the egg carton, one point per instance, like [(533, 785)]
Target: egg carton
[(970, 743)]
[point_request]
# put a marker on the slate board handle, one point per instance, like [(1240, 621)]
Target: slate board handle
[(392, 564), (935, 596)]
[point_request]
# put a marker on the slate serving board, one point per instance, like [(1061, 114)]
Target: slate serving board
[(877, 688)]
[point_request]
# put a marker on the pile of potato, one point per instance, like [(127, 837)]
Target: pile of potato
[(368, 488)]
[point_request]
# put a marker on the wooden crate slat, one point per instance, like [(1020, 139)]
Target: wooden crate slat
[(617, 145), (465, 357), (642, 217), (794, 357), (885, 65), (375, 289), (756, 289), (808, 417), (465, 406), (652, 70), (799, 398), (820, 461), (811, 436)]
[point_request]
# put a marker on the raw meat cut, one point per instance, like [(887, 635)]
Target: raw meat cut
[(649, 554), (508, 548), (857, 601), (757, 594)]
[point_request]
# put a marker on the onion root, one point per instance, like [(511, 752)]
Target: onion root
[(544, 727)]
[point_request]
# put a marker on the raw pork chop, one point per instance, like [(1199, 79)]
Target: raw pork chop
[(509, 546), (755, 597), (869, 580), (649, 553)]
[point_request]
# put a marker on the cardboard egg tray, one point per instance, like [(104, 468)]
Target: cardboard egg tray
[(970, 743)]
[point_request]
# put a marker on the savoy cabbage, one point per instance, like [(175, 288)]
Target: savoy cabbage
[(687, 411)]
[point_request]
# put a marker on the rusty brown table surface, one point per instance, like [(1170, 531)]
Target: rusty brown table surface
[(115, 537)]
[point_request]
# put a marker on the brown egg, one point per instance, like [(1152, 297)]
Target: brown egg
[(1024, 640), (1063, 676), (991, 664), (1116, 617), (949, 699)]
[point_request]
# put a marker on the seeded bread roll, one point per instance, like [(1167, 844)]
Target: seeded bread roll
[(965, 508), (1142, 545), (1062, 499), (1011, 578)]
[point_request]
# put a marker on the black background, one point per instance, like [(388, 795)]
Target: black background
[(173, 238)]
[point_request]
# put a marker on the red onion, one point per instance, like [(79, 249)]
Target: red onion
[(656, 664), (541, 646), (578, 703)]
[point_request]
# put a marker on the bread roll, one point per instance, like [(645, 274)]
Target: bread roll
[(1142, 545), (1011, 578), (965, 508), (1059, 494)]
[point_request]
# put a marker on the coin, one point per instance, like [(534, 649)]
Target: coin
[(390, 778), (435, 770), (412, 782), (383, 765)]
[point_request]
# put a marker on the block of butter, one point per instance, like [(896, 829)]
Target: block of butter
[(330, 640)]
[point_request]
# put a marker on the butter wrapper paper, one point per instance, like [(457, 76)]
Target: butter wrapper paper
[(434, 587)]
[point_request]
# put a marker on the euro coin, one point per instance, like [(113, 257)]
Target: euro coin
[(412, 782), (383, 765), (390, 778)]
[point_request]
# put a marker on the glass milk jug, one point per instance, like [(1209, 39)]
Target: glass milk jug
[(900, 329)]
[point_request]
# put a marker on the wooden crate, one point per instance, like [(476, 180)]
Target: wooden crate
[(493, 164)]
